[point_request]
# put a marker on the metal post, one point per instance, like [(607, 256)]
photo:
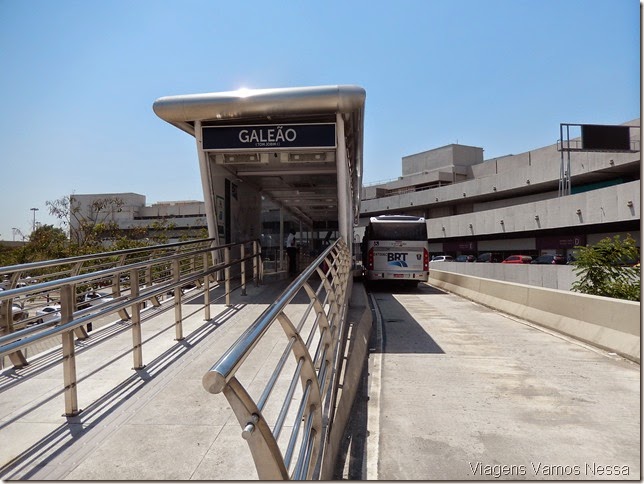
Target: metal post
[(137, 340), (116, 288), (255, 262), (243, 269), (206, 288), (34, 210), (69, 356), (176, 270), (149, 283), (18, 359), (568, 177), (227, 274), (281, 241)]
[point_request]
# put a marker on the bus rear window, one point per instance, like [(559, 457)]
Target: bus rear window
[(395, 231)]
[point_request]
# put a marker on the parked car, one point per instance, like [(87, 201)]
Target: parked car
[(48, 314), (465, 258), (94, 299), (18, 313), (442, 258), (489, 257), (549, 259), (518, 259), (6, 284)]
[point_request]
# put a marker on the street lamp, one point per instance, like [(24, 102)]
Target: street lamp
[(34, 210)]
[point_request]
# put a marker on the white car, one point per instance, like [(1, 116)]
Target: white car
[(442, 258), (94, 299), (48, 314)]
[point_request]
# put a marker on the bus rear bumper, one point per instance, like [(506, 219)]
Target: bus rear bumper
[(397, 276)]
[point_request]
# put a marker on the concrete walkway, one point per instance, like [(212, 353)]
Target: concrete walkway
[(153, 424), (457, 392), (461, 392)]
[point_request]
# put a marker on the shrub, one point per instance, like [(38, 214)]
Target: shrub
[(610, 268)]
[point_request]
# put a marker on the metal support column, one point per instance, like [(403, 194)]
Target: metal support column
[(345, 223)]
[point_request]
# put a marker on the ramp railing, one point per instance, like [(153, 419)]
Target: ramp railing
[(68, 294), (284, 411)]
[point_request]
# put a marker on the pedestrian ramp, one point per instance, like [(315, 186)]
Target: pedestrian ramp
[(154, 423)]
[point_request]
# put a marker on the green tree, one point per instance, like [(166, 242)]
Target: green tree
[(88, 226), (48, 242), (92, 227), (608, 269), (45, 243)]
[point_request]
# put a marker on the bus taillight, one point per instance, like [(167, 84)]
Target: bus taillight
[(425, 260), (370, 259)]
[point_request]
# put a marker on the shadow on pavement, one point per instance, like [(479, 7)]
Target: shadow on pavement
[(401, 332)]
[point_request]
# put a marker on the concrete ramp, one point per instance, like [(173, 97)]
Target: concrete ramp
[(152, 424)]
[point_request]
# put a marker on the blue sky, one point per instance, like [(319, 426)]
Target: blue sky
[(78, 80)]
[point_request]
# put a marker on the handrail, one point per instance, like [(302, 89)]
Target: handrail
[(313, 337), (30, 266), (195, 264)]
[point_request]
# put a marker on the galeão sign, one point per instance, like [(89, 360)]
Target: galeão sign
[(278, 136)]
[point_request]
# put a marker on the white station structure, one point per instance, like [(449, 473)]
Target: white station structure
[(300, 148)]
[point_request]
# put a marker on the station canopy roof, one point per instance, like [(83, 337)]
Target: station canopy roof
[(302, 179)]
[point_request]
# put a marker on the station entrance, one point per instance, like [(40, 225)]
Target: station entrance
[(272, 160)]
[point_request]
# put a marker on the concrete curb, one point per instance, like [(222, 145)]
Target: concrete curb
[(359, 316)]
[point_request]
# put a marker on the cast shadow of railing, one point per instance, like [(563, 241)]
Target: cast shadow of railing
[(55, 443)]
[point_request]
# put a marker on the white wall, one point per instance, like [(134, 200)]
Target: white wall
[(550, 276)]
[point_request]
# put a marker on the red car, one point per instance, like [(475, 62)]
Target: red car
[(518, 259)]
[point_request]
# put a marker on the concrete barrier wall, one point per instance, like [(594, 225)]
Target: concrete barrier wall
[(612, 324), (551, 276)]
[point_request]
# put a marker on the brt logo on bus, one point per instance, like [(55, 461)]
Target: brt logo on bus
[(398, 259)]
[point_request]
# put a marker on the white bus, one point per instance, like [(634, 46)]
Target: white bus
[(395, 247)]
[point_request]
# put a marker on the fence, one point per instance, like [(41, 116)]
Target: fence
[(309, 358), (61, 298)]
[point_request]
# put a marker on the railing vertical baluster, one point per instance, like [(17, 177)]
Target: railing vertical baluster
[(176, 276), (137, 341), (206, 287), (69, 354), (227, 274), (256, 257), (116, 286), (243, 269)]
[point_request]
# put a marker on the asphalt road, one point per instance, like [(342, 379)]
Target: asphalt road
[(462, 392)]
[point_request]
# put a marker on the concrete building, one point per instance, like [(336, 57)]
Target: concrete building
[(512, 204), (129, 211)]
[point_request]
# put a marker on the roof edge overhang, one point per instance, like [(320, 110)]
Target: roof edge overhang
[(182, 111)]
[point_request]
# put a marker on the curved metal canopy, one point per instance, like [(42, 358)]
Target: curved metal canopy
[(183, 110)]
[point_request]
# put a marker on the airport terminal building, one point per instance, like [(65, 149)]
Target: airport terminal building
[(515, 204), (129, 211)]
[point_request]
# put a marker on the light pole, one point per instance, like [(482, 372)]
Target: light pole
[(34, 210)]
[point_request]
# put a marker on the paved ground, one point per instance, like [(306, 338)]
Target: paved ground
[(462, 392), (458, 392), (153, 424)]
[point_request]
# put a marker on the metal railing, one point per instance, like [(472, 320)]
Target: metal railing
[(313, 321), (135, 277)]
